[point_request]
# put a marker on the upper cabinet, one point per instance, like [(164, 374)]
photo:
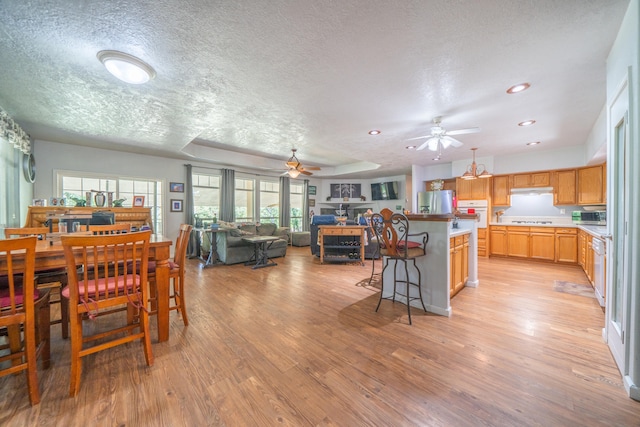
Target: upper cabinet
[(564, 184), (592, 185), (472, 189), (500, 192), (526, 180)]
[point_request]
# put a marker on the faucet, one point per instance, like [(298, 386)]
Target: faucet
[(455, 222)]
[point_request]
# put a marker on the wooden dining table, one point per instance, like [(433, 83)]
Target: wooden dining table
[(50, 254)]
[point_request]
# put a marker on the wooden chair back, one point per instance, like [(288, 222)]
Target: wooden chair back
[(17, 309), (11, 232), (105, 291), (118, 228)]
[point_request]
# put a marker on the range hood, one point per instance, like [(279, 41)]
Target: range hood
[(532, 190)]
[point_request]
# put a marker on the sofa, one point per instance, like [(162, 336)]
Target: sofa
[(370, 249), (232, 249)]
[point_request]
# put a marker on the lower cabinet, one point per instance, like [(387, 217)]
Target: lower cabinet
[(518, 242), (555, 244), (482, 242), (458, 263), (542, 243), (567, 245)]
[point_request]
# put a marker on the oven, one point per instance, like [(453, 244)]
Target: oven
[(478, 207), (599, 253)]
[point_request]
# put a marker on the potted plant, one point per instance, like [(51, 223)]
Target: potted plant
[(118, 203)]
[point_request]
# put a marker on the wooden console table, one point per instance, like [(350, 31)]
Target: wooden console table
[(137, 217), (340, 252)]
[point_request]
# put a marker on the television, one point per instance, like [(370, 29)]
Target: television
[(384, 190)]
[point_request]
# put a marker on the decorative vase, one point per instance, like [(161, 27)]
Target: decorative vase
[(100, 199)]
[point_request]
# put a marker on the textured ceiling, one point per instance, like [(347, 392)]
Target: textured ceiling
[(262, 77)]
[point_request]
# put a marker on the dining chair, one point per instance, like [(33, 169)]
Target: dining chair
[(117, 228), (52, 278), (105, 293), (392, 232), (176, 276), (23, 308)]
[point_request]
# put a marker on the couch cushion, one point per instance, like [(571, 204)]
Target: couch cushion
[(236, 232), (266, 229), (251, 228)]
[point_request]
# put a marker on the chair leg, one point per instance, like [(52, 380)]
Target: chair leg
[(382, 283), (179, 298), (146, 338), (32, 366), (44, 332), (64, 316), (76, 361)]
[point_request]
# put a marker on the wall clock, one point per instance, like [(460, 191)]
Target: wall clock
[(29, 167)]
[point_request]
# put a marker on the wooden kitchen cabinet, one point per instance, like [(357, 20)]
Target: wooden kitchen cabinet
[(535, 179), (482, 242), (588, 262), (498, 240), (582, 249), (542, 243), (448, 184), (500, 195), (565, 188), (459, 263), (592, 185), (472, 189), (566, 245), (518, 242)]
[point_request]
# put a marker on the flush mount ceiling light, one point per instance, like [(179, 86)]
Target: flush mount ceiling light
[(533, 143), (475, 171), (410, 147), (126, 67), (374, 132), (518, 88), (526, 123)]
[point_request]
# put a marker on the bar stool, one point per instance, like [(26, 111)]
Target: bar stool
[(392, 232)]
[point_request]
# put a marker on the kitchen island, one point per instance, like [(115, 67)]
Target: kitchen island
[(435, 267)]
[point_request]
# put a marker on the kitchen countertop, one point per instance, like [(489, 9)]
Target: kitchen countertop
[(458, 232), (598, 231)]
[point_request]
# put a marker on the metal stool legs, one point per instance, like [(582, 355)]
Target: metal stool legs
[(407, 283)]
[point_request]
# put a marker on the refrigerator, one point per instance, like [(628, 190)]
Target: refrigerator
[(435, 202)]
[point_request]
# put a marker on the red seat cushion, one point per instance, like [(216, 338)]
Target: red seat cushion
[(5, 300), (103, 285)]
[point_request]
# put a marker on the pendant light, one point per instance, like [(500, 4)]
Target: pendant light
[(474, 170)]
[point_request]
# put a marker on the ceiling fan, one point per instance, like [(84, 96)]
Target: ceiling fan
[(441, 138), (294, 167)]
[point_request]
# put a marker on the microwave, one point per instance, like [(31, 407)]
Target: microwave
[(589, 217)]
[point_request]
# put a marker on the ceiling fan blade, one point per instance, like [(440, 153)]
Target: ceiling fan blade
[(304, 172), (463, 131), (419, 137), (429, 142), (311, 168), (454, 142)]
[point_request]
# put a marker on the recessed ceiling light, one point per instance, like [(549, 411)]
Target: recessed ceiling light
[(518, 88), (410, 147), (126, 67), (526, 123), (533, 143), (374, 132)]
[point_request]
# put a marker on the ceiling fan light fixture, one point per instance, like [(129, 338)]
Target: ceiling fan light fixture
[(518, 88), (126, 67), (293, 173)]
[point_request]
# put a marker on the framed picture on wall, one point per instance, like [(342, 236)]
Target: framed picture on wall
[(312, 203), (176, 187), (312, 190), (176, 205), (138, 201)]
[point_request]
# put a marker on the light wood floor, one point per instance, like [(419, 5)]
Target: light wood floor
[(299, 344)]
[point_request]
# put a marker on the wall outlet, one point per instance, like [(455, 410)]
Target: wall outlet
[(562, 211)]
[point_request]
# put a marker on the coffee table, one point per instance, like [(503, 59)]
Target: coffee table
[(260, 257)]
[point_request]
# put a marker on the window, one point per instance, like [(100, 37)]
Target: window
[(206, 196), (269, 202), (295, 199), (77, 184), (244, 195)]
